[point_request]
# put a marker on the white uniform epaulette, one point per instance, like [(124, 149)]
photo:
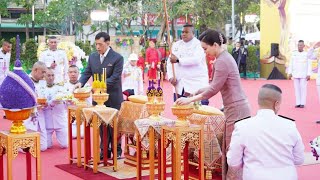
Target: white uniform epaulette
[(286, 118), (242, 119)]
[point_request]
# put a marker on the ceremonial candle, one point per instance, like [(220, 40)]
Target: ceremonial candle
[(161, 75), (105, 75)]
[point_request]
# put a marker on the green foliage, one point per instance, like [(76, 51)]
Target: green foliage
[(13, 52), (29, 57), (1, 41), (85, 46), (230, 47), (252, 60), (4, 7)]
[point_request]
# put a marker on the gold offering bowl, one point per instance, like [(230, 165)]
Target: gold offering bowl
[(154, 109), (41, 101), (100, 98), (81, 96), (182, 112), (17, 118)]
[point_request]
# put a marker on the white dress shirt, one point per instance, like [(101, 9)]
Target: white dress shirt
[(267, 146), (191, 71), (300, 65), (134, 80), (56, 112), (60, 58), (4, 65)]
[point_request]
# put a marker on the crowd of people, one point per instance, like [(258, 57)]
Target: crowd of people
[(203, 68)]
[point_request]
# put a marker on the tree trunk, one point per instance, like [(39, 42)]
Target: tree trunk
[(27, 30), (161, 31), (173, 31)]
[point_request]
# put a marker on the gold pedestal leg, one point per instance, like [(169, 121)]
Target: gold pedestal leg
[(115, 145), (78, 122), (9, 159), (151, 152), (38, 163), (96, 151)]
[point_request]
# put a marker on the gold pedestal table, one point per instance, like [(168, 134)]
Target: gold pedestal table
[(180, 137), (148, 135), (128, 113), (95, 117), (75, 114), (10, 144)]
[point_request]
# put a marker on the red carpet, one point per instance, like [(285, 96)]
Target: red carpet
[(305, 120)]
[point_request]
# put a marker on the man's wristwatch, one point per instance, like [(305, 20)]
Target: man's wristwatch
[(177, 60)]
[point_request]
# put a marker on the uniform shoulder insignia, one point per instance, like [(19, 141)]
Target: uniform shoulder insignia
[(286, 118), (242, 119), (60, 84)]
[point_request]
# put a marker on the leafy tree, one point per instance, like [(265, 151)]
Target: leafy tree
[(13, 52), (25, 19), (29, 57)]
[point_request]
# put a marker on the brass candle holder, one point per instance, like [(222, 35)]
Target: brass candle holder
[(81, 96), (182, 113), (100, 98), (154, 109), (17, 118)]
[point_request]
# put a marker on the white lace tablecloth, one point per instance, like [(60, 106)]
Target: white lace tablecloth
[(143, 126), (105, 115)]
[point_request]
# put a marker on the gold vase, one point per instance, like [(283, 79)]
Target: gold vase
[(100, 98), (17, 118), (154, 110), (81, 96), (182, 113)]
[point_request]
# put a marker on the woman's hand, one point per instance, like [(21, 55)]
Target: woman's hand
[(183, 101)]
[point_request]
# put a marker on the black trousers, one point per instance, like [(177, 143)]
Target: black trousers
[(110, 141), (243, 69), (109, 138)]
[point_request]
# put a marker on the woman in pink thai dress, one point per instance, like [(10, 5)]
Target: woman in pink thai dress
[(226, 80)]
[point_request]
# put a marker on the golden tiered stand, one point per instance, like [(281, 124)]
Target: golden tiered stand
[(17, 118), (74, 114), (154, 109), (182, 113)]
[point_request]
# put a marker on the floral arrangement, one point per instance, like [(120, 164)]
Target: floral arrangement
[(74, 53), (124, 42)]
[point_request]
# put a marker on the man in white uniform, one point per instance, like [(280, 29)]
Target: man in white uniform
[(267, 146), (73, 73), (37, 122), (300, 69), (4, 59), (56, 59), (56, 112), (190, 64)]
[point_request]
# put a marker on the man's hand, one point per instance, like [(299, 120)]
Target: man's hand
[(289, 76), (173, 58), (183, 101), (173, 81), (53, 65), (316, 45), (308, 78)]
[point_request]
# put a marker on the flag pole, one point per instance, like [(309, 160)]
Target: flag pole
[(169, 43)]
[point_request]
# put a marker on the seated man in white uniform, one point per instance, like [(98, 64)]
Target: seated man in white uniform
[(37, 122), (267, 146), (56, 112), (73, 73)]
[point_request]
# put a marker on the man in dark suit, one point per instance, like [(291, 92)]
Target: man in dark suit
[(105, 57), (240, 54), (243, 61)]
